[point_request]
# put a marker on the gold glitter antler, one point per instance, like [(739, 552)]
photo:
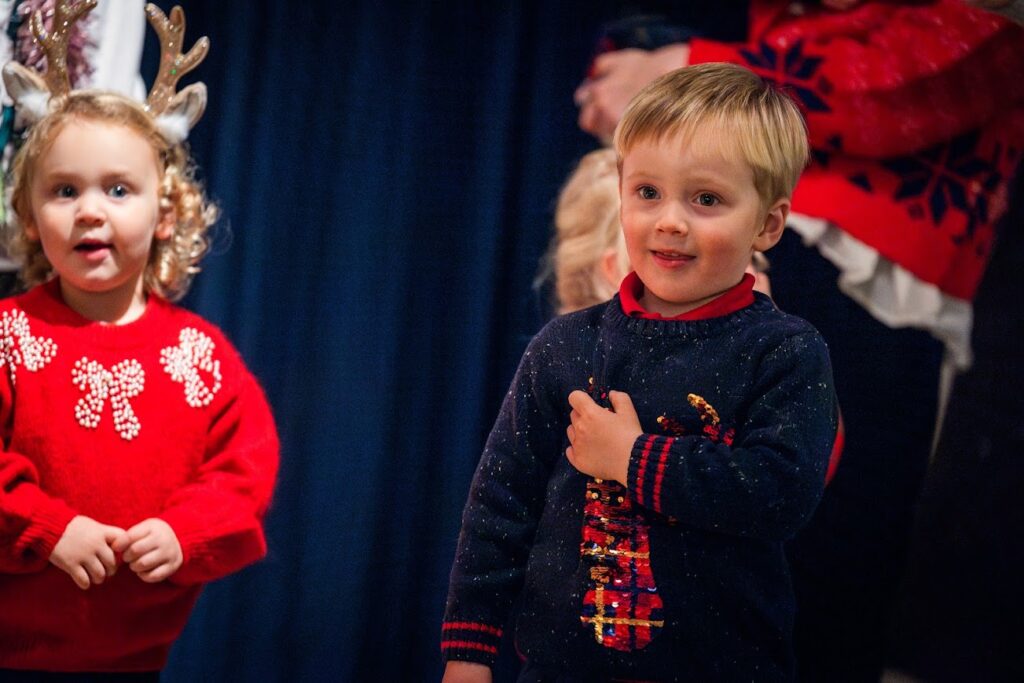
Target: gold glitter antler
[(55, 43), (173, 64)]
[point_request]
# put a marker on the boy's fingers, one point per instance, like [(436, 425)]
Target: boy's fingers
[(570, 431), (621, 402), (579, 400)]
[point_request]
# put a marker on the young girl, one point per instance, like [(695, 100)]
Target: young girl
[(139, 454)]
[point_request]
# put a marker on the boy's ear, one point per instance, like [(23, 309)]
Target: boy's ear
[(773, 225), (609, 269)]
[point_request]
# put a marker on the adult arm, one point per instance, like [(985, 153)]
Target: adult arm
[(886, 79)]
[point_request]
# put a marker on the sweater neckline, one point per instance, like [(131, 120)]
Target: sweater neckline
[(616, 317), (45, 302)]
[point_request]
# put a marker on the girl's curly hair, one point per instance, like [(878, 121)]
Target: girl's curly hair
[(173, 261)]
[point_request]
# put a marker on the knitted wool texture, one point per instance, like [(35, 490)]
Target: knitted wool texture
[(916, 121), (680, 575), (156, 418)]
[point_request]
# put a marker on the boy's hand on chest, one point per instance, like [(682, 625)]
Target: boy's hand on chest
[(601, 440)]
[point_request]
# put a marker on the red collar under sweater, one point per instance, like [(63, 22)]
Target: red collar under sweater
[(916, 120), (729, 301), (156, 418)]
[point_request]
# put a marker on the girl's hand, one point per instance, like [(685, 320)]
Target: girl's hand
[(466, 672), (602, 440), (85, 551), (151, 550)]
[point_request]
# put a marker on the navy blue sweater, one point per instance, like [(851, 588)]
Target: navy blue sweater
[(681, 574)]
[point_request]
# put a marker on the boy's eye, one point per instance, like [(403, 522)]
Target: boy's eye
[(707, 199), (64, 191), (648, 192), (118, 190)]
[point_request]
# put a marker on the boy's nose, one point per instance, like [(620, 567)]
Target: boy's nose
[(672, 220)]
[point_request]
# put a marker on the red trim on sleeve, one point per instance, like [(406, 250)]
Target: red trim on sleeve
[(659, 475), (641, 469), (471, 626), (467, 645), (837, 451)]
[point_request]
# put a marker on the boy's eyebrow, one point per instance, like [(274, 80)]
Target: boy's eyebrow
[(699, 177)]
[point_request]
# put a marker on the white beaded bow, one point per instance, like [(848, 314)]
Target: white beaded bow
[(18, 346), (122, 382), (183, 362)]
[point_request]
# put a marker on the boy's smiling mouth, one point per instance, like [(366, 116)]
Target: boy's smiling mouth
[(671, 258)]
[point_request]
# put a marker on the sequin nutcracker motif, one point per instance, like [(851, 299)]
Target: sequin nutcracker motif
[(621, 604)]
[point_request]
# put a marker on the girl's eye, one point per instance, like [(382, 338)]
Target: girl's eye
[(707, 199), (648, 192), (119, 190), (64, 191)]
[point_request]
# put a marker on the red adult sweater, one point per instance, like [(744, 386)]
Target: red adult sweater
[(156, 418), (916, 118)]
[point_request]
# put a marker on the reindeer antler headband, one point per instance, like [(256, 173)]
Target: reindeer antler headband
[(175, 113)]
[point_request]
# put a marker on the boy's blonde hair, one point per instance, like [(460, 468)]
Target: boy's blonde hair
[(586, 227), (172, 262), (763, 123)]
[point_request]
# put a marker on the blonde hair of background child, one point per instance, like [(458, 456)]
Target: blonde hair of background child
[(172, 262), (587, 231), (729, 105)]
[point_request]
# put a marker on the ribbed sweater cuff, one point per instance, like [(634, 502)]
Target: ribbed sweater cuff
[(470, 642), (188, 532), (49, 521), (646, 474)]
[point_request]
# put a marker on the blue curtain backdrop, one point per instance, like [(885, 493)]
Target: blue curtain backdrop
[(387, 173)]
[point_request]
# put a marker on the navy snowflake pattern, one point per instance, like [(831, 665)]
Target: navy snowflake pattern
[(948, 177), (792, 71)]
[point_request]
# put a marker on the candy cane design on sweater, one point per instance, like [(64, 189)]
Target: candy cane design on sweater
[(121, 383), (18, 346), (183, 362)]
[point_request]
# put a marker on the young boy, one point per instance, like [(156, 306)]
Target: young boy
[(639, 527)]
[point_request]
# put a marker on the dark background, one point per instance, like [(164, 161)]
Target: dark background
[(387, 173)]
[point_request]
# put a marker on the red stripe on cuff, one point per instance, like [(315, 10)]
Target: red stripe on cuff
[(471, 626), (660, 474), (641, 468), (467, 645)]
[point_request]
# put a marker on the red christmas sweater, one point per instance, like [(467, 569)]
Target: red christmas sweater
[(916, 118), (156, 418)]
